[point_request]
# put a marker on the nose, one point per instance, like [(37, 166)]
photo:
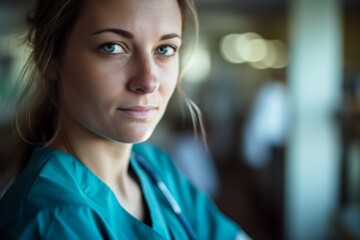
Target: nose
[(144, 78)]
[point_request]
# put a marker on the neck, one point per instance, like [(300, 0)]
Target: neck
[(106, 158)]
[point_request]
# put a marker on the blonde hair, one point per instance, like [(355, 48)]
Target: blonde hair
[(189, 10), (37, 109)]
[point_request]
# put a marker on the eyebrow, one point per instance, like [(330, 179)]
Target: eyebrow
[(129, 35), (170, 36), (121, 32)]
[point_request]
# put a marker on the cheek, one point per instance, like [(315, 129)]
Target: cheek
[(74, 86), (169, 87), (171, 79), (84, 77), (80, 89)]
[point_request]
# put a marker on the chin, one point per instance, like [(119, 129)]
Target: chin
[(135, 137), (140, 139)]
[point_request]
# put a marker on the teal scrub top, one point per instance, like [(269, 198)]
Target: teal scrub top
[(57, 197)]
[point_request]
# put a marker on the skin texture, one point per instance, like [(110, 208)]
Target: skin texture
[(117, 73)]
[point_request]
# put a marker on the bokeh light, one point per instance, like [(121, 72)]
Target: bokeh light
[(253, 49)]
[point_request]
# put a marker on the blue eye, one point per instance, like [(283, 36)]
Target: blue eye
[(165, 50), (111, 48)]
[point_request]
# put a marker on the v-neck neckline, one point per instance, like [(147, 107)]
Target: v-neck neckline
[(148, 189), (146, 214)]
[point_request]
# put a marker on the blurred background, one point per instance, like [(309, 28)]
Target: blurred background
[(278, 82)]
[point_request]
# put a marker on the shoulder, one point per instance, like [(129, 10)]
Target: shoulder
[(71, 221), (201, 211), (46, 183)]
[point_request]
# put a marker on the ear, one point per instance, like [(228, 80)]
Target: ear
[(52, 71)]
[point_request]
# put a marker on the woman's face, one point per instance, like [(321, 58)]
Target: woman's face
[(120, 67)]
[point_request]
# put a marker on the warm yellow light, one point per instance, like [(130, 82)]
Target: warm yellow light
[(252, 48), (258, 50), (228, 50), (244, 46), (271, 55)]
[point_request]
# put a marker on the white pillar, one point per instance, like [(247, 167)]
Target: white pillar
[(312, 167)]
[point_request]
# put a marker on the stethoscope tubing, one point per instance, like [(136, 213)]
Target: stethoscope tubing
[(167, 195)]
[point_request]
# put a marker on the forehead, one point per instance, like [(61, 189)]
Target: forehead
[(158, 15)]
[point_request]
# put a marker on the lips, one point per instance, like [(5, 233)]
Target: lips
[(138, 112)]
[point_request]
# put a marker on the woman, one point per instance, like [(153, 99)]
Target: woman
[(104, 72)]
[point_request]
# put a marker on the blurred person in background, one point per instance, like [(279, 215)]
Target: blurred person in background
[(202, 172), (267, 126), (99, 79)]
